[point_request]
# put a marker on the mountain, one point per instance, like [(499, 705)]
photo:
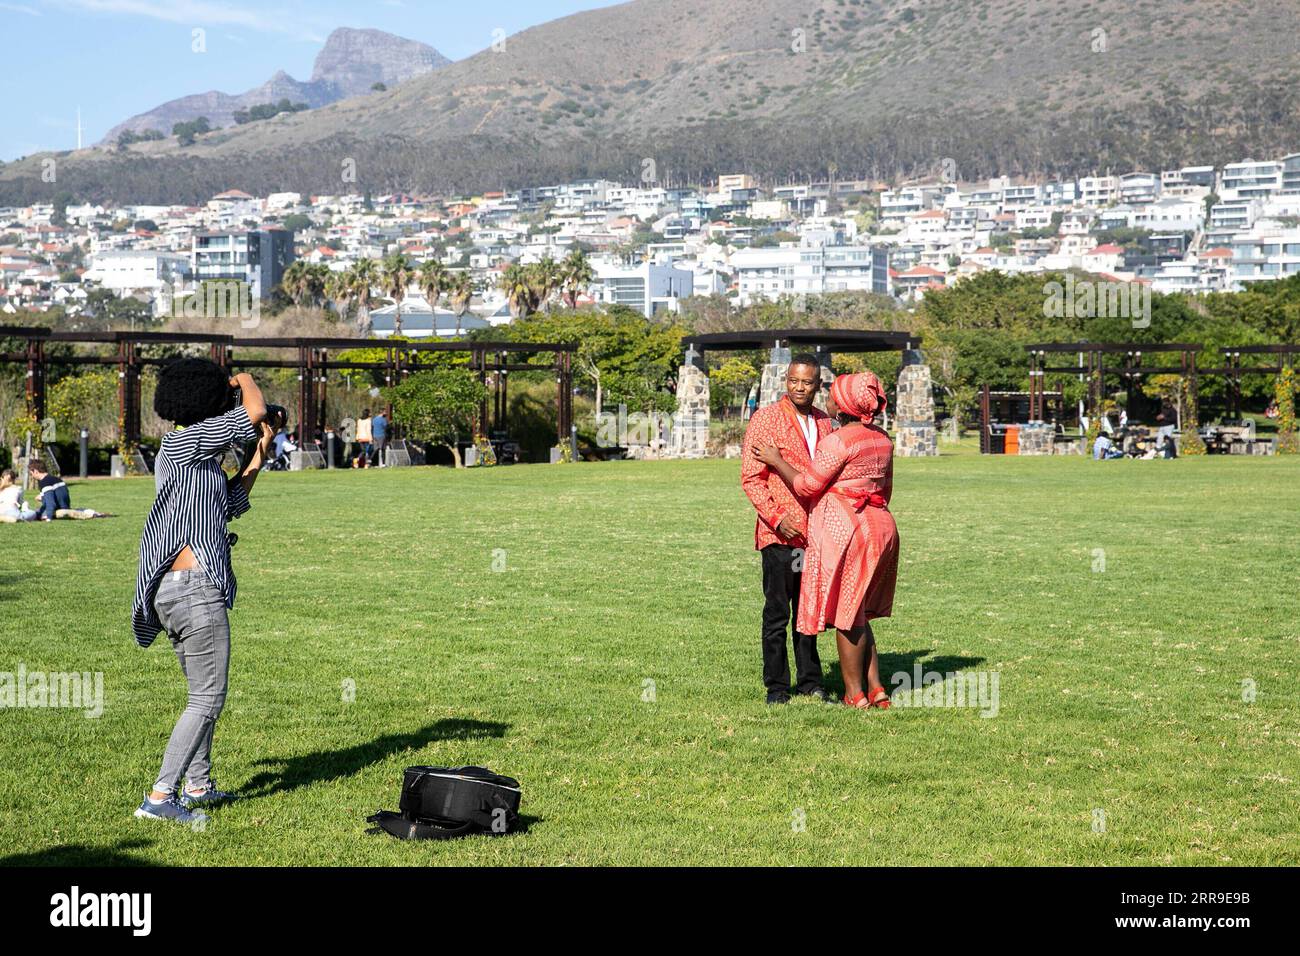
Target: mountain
[(349, 64), (682, 90)]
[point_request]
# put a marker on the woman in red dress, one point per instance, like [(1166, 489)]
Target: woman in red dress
[(851, 562)]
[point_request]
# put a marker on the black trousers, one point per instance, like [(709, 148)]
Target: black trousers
[(780, 610)]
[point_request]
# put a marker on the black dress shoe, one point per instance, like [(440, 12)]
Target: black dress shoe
[(778, 697), (818, 692)]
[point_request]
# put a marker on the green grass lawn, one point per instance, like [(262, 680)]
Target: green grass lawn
[(1121, 737)]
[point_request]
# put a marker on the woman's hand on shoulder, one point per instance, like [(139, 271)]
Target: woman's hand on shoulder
[(768, 454)]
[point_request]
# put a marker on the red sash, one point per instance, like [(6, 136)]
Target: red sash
[(862, 499)]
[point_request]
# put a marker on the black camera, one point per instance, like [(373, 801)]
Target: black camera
[(277, 416)]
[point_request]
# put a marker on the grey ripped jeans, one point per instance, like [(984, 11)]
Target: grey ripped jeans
[(193, 613)]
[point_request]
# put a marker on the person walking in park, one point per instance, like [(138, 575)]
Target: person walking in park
[(185, 584), (379, 433), (851, 562), (365, 440), (796, 426)]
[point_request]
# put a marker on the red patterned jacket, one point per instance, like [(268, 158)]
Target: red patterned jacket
[(777, 424)]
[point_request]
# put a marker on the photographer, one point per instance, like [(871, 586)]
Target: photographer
[(185, 584)]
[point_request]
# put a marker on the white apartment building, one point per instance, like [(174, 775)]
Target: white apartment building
[(128, 272), (1098, 190), (1202, 176), (1291, 173), (1034, 217), (1139, 188), (1169, 214), (1234, 215), (1263, 254), (649, 287), (140, 273), (634, 201), (1061, 193), (1250, 180), (897, 204), (1279, 205), (1117, 217), (925, 226), (582, 194), (1188, 277), (1018, 197), (793, 270)]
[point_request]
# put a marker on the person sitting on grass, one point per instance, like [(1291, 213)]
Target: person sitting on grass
[(185, 584), (53, 497), (12, 506), (1104, 449)]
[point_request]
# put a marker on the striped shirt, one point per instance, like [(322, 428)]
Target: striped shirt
[(194, 504)]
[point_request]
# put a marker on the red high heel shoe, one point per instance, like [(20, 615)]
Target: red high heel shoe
[(858, 700), (878, 698)]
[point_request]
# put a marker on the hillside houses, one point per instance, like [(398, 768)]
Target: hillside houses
[(1194, 229)]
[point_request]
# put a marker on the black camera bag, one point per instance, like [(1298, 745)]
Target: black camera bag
[(439, 803)]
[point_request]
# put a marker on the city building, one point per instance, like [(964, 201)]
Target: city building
[(649, 287), (256, 256)]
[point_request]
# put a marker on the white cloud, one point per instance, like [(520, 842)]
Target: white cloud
[(20, 8), (203, 13)]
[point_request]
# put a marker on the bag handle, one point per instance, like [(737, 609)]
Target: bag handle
[(405, 828)]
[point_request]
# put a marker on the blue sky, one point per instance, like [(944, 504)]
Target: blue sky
[(116, 58)]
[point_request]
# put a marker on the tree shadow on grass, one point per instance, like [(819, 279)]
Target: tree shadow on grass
[(77, 855), (8, 589), (891, 664), (290, 773)]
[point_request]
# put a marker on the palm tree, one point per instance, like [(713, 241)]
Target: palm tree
[(338, 289), (460, 289), (432, 281), (361, 279), (544, 278), (296, 282), (395, 278), (514, 282), (317, 276), (576, 274)]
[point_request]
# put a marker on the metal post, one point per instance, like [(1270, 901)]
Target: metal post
[(36, 377), (85, 453), (986, 433), (480, 361)]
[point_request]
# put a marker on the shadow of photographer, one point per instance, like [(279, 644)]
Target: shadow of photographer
[(290, 773)]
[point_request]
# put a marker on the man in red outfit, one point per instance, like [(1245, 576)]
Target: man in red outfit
[(794, 425)]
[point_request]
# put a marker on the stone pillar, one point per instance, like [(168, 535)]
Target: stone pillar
[(1036, 438), (914, 434), (772, 384), (828, 379), (690, 434)]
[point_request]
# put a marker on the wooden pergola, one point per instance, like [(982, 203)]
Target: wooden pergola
[(1093, 363), (1233, 369), (128, 351), (821, 342)]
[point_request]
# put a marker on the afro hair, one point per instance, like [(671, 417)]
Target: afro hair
[(192, 389)]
